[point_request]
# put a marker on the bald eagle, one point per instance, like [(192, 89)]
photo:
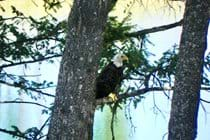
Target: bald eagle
[(110, 77)]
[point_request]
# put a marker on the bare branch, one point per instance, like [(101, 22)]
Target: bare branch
[(154, 29), (12, 18), (42, 127), (26, 88), (204, 110), (23, 102), (127, 95), (178, 0), (145, 90), (30, 61), (160, 84), (37, 38), (114, 111), (205, 101), (112, 126), (128, 116), (141, 92), (13, 133), (205, 88), (156, 108)]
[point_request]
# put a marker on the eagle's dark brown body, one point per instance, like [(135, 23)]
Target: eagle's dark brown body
[(108, 79)]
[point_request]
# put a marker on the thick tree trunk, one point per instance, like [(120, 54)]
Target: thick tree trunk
[(72, 116), (185, 101)]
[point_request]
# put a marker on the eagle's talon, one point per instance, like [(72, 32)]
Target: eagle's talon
[(113, 97)]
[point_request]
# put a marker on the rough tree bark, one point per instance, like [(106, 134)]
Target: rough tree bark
[(185, 101), (72, 116)]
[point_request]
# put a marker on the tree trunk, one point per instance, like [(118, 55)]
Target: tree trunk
[(72, 116), (185, 101)]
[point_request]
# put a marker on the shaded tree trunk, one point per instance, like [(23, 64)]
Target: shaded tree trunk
[(72, 116), (185, 101)]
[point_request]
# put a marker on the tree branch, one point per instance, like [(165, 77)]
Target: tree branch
[(42, 127), (23, 102), (205, 101), (140, 92), (154, 29), (26, 88), (38, 38), (13, 133), (30, 61), (145, 90), (114, 111), (127, 95), (205, 88), (12, 18)]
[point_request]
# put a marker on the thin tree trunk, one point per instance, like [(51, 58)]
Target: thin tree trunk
[(185, 101), (72, 116)]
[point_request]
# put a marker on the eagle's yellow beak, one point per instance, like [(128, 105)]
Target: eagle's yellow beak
[(124, 58)]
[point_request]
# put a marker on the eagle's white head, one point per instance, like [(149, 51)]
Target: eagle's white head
[(118, 59)]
